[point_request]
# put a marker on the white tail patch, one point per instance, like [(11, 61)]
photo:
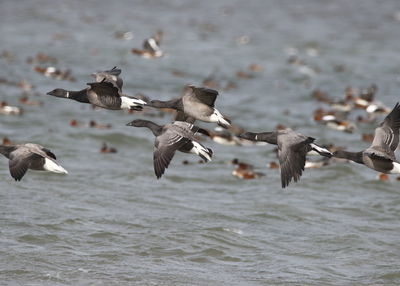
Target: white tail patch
[(396, 168), (127, 102), (200, 150), (320, 150), (51, 166), (219, 118)]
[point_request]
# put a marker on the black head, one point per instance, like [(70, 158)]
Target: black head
[(59, 92), (138, 123)]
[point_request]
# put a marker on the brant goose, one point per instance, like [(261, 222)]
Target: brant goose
[(30, 156), (195, 103), (292, 150), (102, 94), (177, 135), (380, 155)]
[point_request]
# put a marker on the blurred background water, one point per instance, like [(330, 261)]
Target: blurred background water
[(110, 222)]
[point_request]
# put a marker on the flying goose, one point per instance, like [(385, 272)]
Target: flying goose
[(380, 155), (179, 136), (292, 150), (196, 103), (102, 94), (30, 156)]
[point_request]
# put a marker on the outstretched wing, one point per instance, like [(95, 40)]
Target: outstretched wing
[(165, 147), (292, 151), (104, 94), (387, 134), (111, 76), (19, 163), (104, 87), (292, 165), (204, 95)]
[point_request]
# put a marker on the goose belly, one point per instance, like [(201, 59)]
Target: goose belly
[(383, 166), (200, 111)]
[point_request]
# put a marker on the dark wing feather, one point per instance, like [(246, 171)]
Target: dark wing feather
[(162, 158), (106, 95), (18, 165), (165, 147), (292, 163), (104, 87), (111, 76), (49, 153), (387, 134), (205, 95)]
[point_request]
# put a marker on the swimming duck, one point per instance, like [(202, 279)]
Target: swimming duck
[(53, 72), (105, 149), (333, 120), (224, 137), (179, 136), (196, 103), (292, 150), (25, 100), (316, 164), (30, 156), (245, 171), (101, 94), (380, 155), (10, 110), (151, 47), (94, 124)]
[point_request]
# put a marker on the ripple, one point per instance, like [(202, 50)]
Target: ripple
[(38, 239)]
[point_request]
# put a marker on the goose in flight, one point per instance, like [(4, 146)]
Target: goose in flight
[(30, 156), (196, 103), (292, 150), (171, 137), (380, 155)]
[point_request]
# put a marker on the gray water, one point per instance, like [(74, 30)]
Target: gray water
[(110, 222)]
